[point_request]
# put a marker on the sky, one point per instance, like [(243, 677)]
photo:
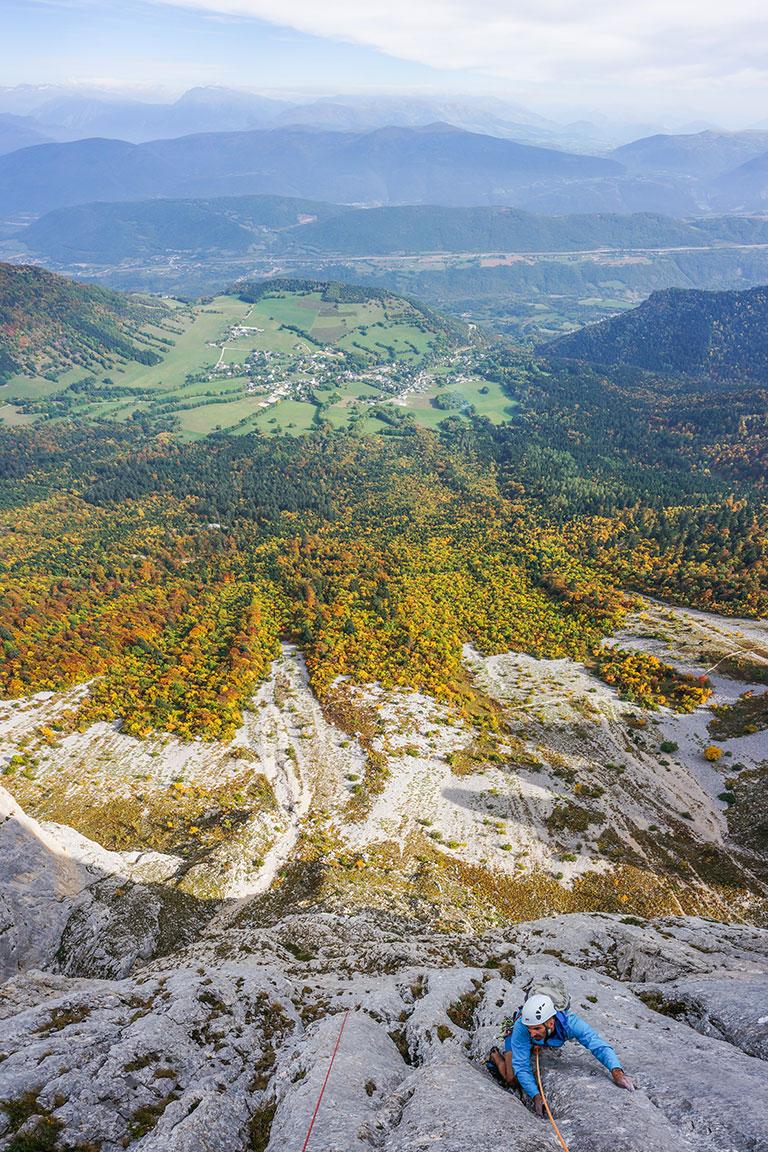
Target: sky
[(679, 59)]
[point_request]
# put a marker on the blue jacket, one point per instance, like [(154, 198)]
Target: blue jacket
[(568, 1026)]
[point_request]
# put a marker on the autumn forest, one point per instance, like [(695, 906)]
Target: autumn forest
[(168, 573)]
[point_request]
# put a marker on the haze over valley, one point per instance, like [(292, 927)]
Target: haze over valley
[(513, 222)]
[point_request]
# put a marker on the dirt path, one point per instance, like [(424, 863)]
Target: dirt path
[(224, 346)]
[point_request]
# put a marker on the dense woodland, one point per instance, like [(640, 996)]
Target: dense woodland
[(170, 572), (723, 335)]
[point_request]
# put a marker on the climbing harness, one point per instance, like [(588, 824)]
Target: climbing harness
[(546, 1104), (305, 1145)]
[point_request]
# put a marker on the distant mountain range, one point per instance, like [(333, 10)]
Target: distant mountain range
[(702, 155), (721, 335), (198, 110), (20, 132), (436, 164), (726, 171), (746, 187), (378, 148), (65, 113), (68, 113), (107, 233)]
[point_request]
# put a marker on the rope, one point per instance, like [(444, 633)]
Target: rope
[(305, 1145), (546, 1104)]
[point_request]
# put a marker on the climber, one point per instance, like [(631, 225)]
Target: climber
[(540, 1023)]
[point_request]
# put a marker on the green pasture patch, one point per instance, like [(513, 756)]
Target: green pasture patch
[(372, 426), (329, 335), (196, 389), (237, 352), (119, 409), (494, 404), (197, 422), (351, 391), (248, 424), (407, 342), (363, 312), (297, 412), (273, 338), (100, 409), (290, 309), (356, 388), (125, 413), (425, 415), (338, 415), (191, 352), (28, 388)]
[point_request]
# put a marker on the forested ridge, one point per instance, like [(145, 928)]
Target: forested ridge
[(105, 232), (49, 324), (723, 335), (114, 231)]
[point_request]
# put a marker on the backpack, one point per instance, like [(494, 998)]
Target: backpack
[(544, 985), (552, 986)]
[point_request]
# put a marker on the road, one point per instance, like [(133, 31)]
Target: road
[(400, 257)]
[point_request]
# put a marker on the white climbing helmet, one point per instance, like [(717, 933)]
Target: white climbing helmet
[(536, 1010)]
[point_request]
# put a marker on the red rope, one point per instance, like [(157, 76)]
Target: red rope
[(305, 1145)]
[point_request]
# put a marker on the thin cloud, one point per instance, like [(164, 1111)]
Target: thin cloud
[(599, 43)]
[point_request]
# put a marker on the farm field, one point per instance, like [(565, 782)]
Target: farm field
[(485, 396), (193, 350), (292, 416)]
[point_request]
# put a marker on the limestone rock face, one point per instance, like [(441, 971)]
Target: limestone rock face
[(337, 948), (68, 904), (733, 1008), (227, 1043), (556, 795)]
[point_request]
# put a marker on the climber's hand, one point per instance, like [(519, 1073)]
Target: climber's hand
[(620, 1077), (538, 1105)]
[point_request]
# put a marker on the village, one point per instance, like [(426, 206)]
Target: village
[(274, 375)]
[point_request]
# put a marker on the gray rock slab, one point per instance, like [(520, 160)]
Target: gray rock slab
[(452, 1106), (733, 1008), (367, 1063), (226, 1043)]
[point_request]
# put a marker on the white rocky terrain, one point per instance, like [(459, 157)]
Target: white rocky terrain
[(185, 928)]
